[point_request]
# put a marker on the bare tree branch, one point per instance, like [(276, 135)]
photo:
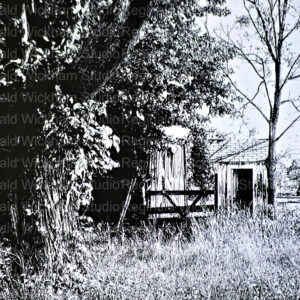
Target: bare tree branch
[(298, 110), (282, 24), (290, 101), (294, 77), (266, 85), (265, 38), (255, 95), (246, 57), (272, 7), (289, 72), (219, 149), (248, 99), (292, 123), (297, 24)]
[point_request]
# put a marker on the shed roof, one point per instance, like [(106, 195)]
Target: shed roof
[(238, 151)]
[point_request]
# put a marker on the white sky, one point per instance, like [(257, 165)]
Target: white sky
[(246, 80)]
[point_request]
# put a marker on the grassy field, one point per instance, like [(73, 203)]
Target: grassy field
[(288, 203), (223, 257)]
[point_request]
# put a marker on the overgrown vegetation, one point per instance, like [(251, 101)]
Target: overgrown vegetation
[(93, 77), (78, 68), (293, 174), (225, 257)]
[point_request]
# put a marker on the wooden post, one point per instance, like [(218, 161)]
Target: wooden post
[(145, 200), (216, 192), (127, 202)]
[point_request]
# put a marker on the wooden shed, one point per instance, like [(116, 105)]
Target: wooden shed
[(167, 173), (240, 179), (168, 192), (241, 174)]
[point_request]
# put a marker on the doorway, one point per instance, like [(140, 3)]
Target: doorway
[(243, 188)]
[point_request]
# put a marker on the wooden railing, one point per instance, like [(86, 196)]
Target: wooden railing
[(183, 211)]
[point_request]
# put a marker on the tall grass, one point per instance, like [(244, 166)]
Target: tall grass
[(222, 257)]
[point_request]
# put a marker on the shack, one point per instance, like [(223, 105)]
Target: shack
[(240, 179), (240, 172), (168, 191)]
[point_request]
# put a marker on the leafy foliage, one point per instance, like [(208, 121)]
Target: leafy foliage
[(200, 164), (173, 71), (74, 135), (137, 59), (293, 173)]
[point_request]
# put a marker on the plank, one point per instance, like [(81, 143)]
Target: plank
[(187, 193), (172, 209), (127, 202), (178, 210)]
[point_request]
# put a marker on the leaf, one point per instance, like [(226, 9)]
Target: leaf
[(77, 106)]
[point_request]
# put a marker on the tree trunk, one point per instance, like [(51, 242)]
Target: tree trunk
[(271, 169), (274, 116), (18, 135)]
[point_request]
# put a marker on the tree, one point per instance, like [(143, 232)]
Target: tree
[(170, 74), (267, 47), (55, 131), (293, 173), (69, 70)]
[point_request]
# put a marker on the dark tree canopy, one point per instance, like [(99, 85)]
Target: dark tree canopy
[(70, 66)]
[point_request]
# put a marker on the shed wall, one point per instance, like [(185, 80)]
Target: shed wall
[(226, 184), (168, 172)]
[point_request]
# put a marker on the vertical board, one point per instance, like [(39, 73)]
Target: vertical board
[(167, 171), (221, 170), (260, 186)]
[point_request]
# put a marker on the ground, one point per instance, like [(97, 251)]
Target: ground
[(223, 257)]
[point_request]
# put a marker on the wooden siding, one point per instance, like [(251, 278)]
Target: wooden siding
[(227, 184), (167, 171)]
